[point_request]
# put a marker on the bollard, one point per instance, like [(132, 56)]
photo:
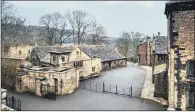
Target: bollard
[(19, 104), (13, 102), (116, 89), (10, 101), (131, 91), (6, 100), (103, 87)]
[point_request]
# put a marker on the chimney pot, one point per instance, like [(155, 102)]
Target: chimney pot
[(159, 34)]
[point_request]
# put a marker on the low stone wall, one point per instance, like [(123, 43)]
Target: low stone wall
[(3, 101), (159, 68), (6, 108), (65, 82), (148, 88)]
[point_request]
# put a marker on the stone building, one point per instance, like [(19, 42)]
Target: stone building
[(63, 56), (145, 52), (89, 59), (110, 58), (181, 35), (159, 57), (19, 50), (43, 80)]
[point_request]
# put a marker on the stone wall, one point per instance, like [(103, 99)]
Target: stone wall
[(144, 52), (160, 68), (184, 23), (148, 88), (67, 81), (9, 71), (114, 64), (24, 48)]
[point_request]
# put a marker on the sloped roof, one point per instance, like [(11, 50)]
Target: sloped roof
[(161, 45), (105, 52), (43, 52)]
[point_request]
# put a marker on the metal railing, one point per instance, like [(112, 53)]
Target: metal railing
[(110, 88)]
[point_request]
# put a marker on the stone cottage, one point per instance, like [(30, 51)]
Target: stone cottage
[(66, 56), (181, 35), (110, 58), (145, 52), (44, 80), (160, 60), (17, 50)]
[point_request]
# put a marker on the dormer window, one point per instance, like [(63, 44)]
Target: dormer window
[(190, 68)]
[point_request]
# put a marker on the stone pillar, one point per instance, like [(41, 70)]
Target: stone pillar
[(38, 88), (171, 80), (77, 78)]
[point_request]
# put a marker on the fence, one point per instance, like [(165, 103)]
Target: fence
[(13, 103), (110, 88)]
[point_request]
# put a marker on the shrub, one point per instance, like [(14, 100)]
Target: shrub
[(8, 73)]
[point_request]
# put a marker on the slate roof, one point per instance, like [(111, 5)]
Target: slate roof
[(43, 52), (161, 45), (105, 52)]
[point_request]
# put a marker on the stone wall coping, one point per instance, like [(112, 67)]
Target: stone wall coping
[(50, 71), (4, 107)]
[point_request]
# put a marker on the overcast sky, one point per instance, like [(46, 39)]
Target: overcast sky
[(146, 17)]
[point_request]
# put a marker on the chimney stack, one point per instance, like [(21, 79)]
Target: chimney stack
[(158, 34)]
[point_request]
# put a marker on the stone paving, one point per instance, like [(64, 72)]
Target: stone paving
[(148, 88), (92, 100)]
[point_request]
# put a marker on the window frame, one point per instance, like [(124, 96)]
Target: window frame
[(54, 58), (190, 100), (63, 59), (20, 52), (93, 69), (190, 68)]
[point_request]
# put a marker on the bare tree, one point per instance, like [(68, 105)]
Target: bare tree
[(124, 43), (11, 25), (80, 23), (97, 36), (136, 36), (55, 27)]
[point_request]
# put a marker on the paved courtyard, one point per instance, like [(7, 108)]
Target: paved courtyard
[(90, 100)]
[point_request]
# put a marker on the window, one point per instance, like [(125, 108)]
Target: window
[(93, 69), (28, 51), (78, 64), (63, 58), (54, 58), (77, 53), (6, 50), (191, 100), (20, 52), (190, 68)]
